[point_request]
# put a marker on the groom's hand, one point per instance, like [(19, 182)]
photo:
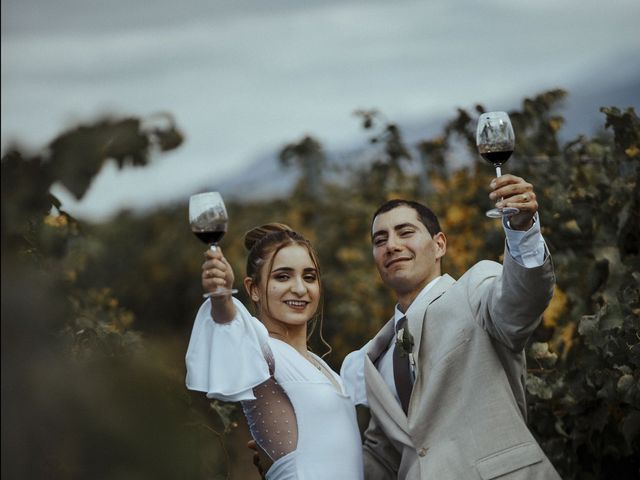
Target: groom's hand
[(512, 191)]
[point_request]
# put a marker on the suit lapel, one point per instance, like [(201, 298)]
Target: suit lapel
[(417, 312), (380, 342), (376, 386)]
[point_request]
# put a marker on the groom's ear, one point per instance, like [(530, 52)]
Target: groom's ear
[(441, 244)]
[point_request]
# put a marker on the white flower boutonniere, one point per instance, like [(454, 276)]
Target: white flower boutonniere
[(404, 342)]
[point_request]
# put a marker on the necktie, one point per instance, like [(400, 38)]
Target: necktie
[(401, 370)]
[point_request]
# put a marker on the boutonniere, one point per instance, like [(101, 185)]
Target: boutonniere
[(404, 342)]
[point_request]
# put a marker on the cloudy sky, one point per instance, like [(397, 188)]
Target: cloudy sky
[(242, 77)]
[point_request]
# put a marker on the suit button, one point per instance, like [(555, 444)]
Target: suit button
[(422, 452)]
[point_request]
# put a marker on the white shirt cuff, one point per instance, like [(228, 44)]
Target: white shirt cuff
[(526, 247)]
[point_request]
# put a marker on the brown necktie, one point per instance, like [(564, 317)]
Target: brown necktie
[(401, 370)]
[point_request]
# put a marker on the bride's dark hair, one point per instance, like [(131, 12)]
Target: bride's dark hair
[(264, 243)]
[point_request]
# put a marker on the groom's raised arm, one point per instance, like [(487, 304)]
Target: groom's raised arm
[(510, 303)]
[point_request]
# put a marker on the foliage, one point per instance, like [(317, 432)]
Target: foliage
[(111, 305), (83, 394), (586, 406)]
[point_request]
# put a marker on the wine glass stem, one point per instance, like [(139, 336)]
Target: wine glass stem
[(213, 247), (498, 174)]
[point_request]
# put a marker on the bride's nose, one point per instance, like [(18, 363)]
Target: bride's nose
[(299, 287)]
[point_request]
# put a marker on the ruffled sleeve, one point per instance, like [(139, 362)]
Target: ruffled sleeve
[(352, 374), (227, 360)]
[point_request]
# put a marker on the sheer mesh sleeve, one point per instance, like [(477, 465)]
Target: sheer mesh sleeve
[(271, 418)]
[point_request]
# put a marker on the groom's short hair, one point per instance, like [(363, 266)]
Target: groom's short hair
[(425, 215)]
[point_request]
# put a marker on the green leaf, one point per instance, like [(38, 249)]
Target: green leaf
[(538, 387), (625, 382), (225, 412), (588, 325), (630, 427), (540, 352)]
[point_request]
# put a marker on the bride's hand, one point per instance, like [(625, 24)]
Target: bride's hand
[(261, 461), (216, 271)]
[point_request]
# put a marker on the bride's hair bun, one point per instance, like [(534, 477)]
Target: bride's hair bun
[(256, 234)]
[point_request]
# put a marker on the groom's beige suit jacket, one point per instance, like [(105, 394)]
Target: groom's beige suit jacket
[(467, 413)]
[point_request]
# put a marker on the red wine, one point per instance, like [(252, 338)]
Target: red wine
[(210, 236), (497, 158)]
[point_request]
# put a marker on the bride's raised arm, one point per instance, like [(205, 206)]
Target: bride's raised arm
[(216, 273)]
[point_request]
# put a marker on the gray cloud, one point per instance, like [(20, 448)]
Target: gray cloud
[(243, 77)]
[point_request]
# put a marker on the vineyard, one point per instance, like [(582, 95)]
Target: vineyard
[(96, 317)]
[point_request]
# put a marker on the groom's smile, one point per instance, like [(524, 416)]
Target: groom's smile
[(397, 260)]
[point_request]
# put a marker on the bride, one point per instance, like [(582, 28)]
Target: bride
[(297, 408)]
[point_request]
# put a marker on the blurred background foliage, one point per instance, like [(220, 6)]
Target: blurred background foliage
[(96, 317)]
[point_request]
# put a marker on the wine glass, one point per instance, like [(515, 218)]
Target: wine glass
[(208, 219), (495, 140)]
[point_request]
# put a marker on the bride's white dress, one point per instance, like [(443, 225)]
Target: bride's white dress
[(294, 411)]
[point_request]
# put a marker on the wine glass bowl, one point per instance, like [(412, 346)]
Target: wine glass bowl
[(208, 220), (495, 141), (208, 217)]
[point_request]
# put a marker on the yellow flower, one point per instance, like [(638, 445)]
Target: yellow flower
[(56, 221), (555, 309), (555, 124), (632, 151), (455, 215), (71, 275), (347, 255)]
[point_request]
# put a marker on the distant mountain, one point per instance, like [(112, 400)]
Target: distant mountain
[(266, 178), (262, 178)]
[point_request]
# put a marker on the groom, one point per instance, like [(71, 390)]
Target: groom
[(445, 378)]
